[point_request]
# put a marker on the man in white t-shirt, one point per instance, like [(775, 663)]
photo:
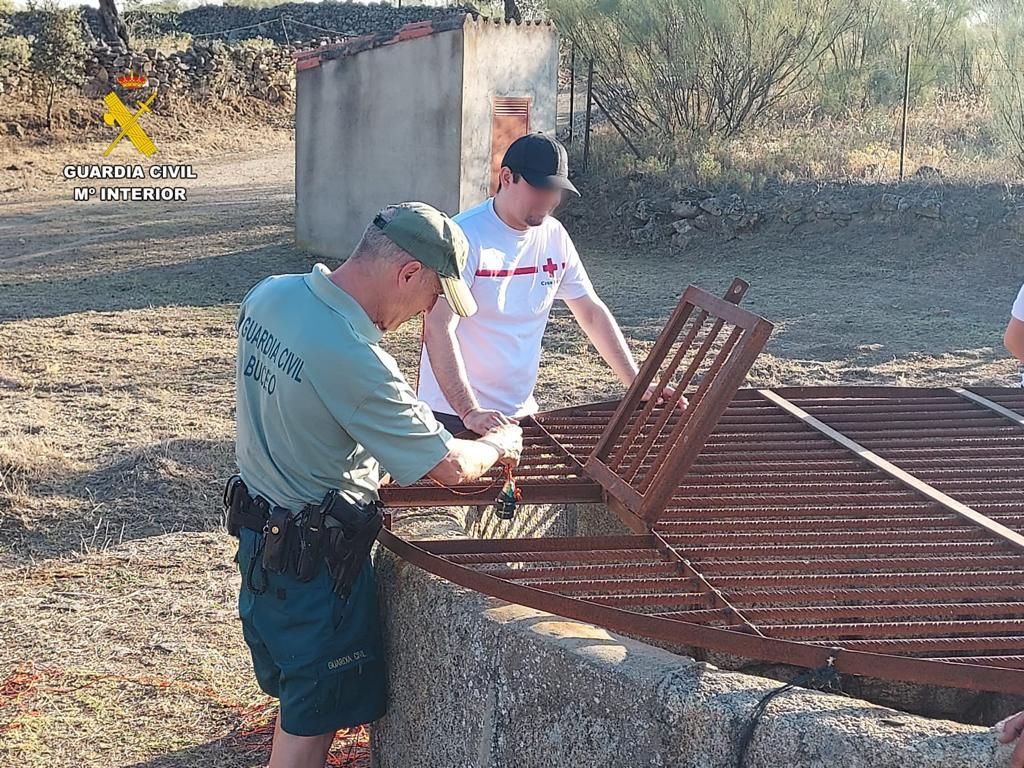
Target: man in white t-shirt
[(1014, 336), (479, 372)]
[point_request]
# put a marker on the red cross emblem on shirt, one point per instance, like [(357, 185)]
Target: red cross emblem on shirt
[(550, 268)]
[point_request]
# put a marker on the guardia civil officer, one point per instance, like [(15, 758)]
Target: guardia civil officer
[(323, 411)]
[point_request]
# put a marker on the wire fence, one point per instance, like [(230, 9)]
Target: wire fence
[(580, 108)]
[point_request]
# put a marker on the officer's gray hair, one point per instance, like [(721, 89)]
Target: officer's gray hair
[(376, 245)]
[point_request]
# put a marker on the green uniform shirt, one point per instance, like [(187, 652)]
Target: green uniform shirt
[(320, 404)]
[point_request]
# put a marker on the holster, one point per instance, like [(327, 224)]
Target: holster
[(278, 547), (235, 496), (243, 510), (312, 533), (350, 542)]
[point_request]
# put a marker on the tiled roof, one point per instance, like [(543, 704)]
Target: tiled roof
[(313, 58)]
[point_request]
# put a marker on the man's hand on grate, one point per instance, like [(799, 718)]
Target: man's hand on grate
[(667, 394), (482, 421)]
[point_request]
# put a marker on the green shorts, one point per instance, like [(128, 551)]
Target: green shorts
[(319, 654)]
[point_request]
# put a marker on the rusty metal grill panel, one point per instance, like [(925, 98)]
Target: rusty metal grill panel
[(704, 353), (780, 535), (878, 526)]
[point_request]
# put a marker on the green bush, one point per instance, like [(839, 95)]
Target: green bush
[(1008, 91), (58, 51), (14, 50)]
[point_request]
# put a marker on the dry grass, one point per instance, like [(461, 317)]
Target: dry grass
[(132, 658), (119, 645), (959, 138)]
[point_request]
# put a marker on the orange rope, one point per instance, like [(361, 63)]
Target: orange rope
[(466, 493), (507, 472)]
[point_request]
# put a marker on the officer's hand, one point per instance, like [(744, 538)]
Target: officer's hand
[(482, 421), (510, 438)]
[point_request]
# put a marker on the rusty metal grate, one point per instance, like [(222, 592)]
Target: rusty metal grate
[(704, 351), (880, 526), (779, 533), (551, 473)]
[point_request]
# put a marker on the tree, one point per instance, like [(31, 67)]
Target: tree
[(58, 51), (13, 48), (112, 26), (1007, 18), (671, 68)]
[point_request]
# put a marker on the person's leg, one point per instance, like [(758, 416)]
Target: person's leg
[(332, 673), (291, 751), (451, 422)]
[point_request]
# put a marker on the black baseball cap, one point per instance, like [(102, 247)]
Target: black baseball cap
[(541, 160)]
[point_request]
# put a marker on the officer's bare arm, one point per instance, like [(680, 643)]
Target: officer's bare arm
[(1014, 338), (469, 460)]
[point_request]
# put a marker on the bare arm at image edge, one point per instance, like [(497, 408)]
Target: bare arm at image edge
[(445, 357), (1014, 336)]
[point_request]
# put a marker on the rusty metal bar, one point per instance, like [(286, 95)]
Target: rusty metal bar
[(693, 410), (788, 596), (635, 394), (714, 595), (883, 611), (1008, 536), (984, 402), (712, 568), (654, 430), (737, 290)]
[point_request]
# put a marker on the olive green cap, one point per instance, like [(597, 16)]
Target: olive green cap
[(435, 240)]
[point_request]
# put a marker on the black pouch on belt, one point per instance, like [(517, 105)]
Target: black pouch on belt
[(276, 551), (350, 541), (311, 532)]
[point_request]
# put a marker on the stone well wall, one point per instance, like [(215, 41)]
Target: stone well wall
[(478, 682)]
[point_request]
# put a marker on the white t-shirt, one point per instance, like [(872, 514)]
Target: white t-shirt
[(1018, 306), (515, 277)]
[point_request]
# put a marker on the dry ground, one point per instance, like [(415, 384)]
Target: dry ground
[(118, 642)]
